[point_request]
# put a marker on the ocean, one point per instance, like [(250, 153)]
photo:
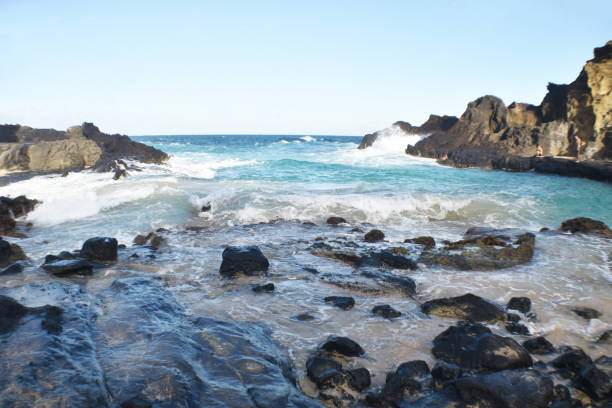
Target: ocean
[(262, 188)]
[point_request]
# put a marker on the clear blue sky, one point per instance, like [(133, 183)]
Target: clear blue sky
[(298, 67)]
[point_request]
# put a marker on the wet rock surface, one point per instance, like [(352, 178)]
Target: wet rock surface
[(466, 307), (586, 226), (98, 340), (100, 249), (386, 311), (243, 260), (9, 253), (12, 208)]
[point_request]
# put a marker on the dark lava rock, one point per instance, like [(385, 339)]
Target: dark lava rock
[(444, 372), (386, 311), (65, 267), (342, 345), (119, 173), (517, 328), (466, 307), (9, 253), (594, 382), (100, 249), (586, 226), (143, 239), (10, 313), (427, 242), (605, 337), (403, 283), (374, 236), (473, 346), (413, 369), (508, 389), (12, 270), (522, 304), (13, 207), (571, 362), (539, 345), (343, 302), (512, 318), (324, 372), (388, 258), (268, 287), (405, 380), (586, 312), (359, 378), (483, 252), (336, 220), (206, 207), (561, 393), (246, 260), (304, 317)]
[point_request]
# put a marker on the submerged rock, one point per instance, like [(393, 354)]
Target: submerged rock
[(474, 347), (100, 249), (427, 242), (483, 250), (66, 267), (12, 269), (248, 260), (466, 307), (586, 312), (267, 287)]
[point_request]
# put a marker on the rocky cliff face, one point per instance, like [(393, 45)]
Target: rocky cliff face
[(23, 148), (488, 131)]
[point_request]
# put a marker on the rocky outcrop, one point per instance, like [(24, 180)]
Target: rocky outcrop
[(435, 123), (45, 150), (11, 208), (492, 135)]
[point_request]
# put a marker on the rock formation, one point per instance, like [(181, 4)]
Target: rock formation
[(23, 148), (493, 135)]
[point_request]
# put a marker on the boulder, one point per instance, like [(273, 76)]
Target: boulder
[(325, 372), (66, 267), (100, 249), (571, 362), (522, 304), (336, 220), (585, 226), (248, 260), (538, 345), (474, 347), (517, 328), (596, 383), (509, 389), (9, 253), (12, 269), (386, 311), (343, 302), (374, 236), (442, 373), (342, 345), (359, 379), (465, 307)]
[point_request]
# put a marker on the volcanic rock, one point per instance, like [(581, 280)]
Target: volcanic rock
[(343, 302), (386, 311), (522, 304), (374, 236), (539, 345), (342, 345), (248, 260), (100, 249), (466, 307)]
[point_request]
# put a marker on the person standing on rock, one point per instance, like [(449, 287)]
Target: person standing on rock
[(577, 141)]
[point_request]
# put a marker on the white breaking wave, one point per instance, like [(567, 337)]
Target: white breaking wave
[(394, 139), (308, 139), (201, 167)]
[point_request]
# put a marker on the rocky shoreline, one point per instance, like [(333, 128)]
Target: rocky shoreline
[(41, 151), (492, 135), (90, 330)]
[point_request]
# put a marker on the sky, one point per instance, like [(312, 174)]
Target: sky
[(282, 67)]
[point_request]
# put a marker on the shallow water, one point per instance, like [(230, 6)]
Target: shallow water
[(281, 181)]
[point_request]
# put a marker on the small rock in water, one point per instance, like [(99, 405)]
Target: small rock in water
[(324, 372), (571, 362), (586, 226), (342, 345), (356, 229), (10, 253), (374, 236), (309, 224), (336, 220), (100, 249), (359, 378), (586, 312), (386, 311), (206, 207), (522, 304), (304, 317), (605, 337), (466, 307), (248, 260), (343, 302), (539, 345), (268, 287), (427, 242), (65, 267), (516, 328), (12, 269)]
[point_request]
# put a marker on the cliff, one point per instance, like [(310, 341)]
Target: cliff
[(489, 132), (24, 149)]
